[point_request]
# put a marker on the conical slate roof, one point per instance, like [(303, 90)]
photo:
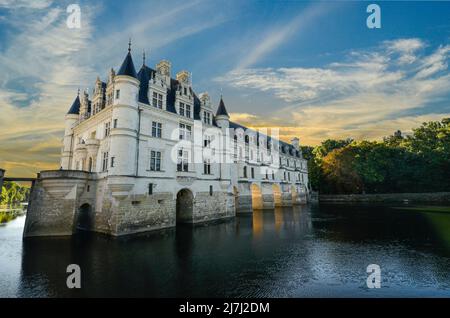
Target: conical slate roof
[(75, 108), (127, 67), (222, 111)]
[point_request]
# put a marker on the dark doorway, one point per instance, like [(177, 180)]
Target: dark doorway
[(85, 218), (185, 202)]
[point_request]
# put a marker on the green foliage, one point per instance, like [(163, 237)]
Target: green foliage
[(416, 163), (13, 193)]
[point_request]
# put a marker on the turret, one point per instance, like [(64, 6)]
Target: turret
[(69, 121), (125, 116), (222, 117)]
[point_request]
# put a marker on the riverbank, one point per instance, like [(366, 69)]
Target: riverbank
[(9, 213), (436, 197)]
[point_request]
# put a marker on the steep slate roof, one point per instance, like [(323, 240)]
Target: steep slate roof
[(144, 76), (222, 111), (127, 67), (75, 108)]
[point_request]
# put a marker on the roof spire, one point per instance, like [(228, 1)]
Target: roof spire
[(127, 67), (78, 93), (221, 110), (143, 57)]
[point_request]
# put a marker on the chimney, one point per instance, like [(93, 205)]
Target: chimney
[(296, 143)]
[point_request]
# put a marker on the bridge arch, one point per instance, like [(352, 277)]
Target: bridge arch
[(257, 198), (85, 218), (294, 195), (185, 206), (277, 198)]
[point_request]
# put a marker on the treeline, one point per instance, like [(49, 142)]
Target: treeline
[(13, 193), (419, 162)]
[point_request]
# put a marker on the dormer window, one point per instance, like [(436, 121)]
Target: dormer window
[(207, 117), (185, 91)]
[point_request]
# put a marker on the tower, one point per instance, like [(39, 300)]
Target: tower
[(125, 117), (70, 119)]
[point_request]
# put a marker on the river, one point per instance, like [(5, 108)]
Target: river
[(306, 251)]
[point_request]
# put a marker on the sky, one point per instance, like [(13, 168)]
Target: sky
[(313, 69)]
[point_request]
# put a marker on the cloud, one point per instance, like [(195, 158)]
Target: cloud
[(277, 36), (46, 58), (20, 4), (406, 48), (367, 95)]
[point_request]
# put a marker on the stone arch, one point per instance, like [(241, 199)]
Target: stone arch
[(185, 206), (85, 218), (257, 198), (277, 199)]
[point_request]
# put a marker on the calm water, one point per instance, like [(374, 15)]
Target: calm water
[(319, 250)]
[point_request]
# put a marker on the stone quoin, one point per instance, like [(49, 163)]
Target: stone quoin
[(145, 152)]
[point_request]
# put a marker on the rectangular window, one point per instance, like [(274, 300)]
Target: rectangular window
[(267, 175), (112, 161), (245, 172), (289, 176), (188, 111), (183, 160), (118, 94), (210, 190), (273, 175), (155, 160), (115, 123), (207, 142), (253, 173), (157, 100), (182, 109), (156, 129), (160, 101), (185, 132), (105, 162), (207, 167), (107, 129), (207, 117)]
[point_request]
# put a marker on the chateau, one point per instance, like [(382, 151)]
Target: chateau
[(146, 152)]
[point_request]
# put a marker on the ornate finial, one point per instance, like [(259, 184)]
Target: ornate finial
[(78, 93), (221, 93), (129, 46), (143, 57)]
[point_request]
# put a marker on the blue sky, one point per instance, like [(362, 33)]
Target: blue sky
[(313, 69)]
